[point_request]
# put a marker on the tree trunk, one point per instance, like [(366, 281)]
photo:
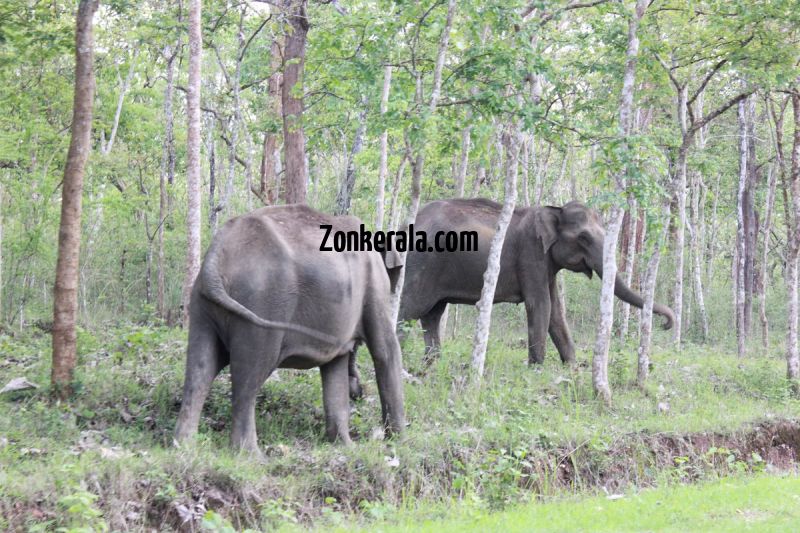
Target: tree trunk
[(294, 140), (484, 305), (697, 253), (344, 197), (741, 331), (648, 292), (193, 156), (69, 234), (419, 161), (383, 169), (167, 173), (750, 222), (772, 182), (466, 141), (394, 210), (629, 256), (601, 346), (793, 256), (123, 88), (680, 223)]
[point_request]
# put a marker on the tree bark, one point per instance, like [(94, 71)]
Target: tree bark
[(793, 256), (741, 332), (124, 85), (603, 340), (490, 276), (629, 256), (772, 182), (418, 162), (344, 197), (167, 173), (294, 140), (69, 234), (193, 156), (383, 168)]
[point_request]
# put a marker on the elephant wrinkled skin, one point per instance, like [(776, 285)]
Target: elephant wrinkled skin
[(540, 241), (267, 297)]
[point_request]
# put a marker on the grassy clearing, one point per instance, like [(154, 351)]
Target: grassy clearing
[(764, 503), (106, 457)]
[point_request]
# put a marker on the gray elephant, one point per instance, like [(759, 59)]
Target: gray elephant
[(540, 241), (267, 297)]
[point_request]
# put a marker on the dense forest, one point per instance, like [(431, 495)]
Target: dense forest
[(122, 156)]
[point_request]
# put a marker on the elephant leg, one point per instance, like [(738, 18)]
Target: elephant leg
[(206, 356), (431, 324), (334, 398), (248, 374), (559, 329), (385, 350), (356, 391), (538, 313)]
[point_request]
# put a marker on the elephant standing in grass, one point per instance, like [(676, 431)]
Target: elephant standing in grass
[(267, 297), (540, 241)]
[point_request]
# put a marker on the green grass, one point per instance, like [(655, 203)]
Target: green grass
[(764, 503), (494, 447)]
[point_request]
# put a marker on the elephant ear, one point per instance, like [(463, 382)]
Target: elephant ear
[(546, 225), (393, 262)]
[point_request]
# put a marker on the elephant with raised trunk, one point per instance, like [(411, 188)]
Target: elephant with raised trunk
[(540, 241), (267, 297)]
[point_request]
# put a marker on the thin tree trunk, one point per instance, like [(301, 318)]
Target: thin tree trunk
[(294, 140), (772, 182), (490, 276), (603, 341), (793, 256), (628, 260), (167, 172), (741, 332), (124, 85), (193, 156), (344, 197), (69, 236), (525, 156), (648, 292), (383, 168), (750, 222), (466, 141), (394, 211), (697, 253), (680, 223), (419, 161)]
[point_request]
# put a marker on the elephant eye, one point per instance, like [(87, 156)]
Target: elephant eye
[(584, 237)]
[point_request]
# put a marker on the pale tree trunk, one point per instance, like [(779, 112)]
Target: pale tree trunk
[(793, 255), (741, 333), (603, 340), (697, 256), (419, 161), (193, 157), (344, 197), (525, 157), (480, 178), (167, 172), (384, 157), (648, 293), (680, 223), (394, 208), (749, 211), (294, 140), (124, 85), (541, 172), (628, 260), (234, 122), (69, 235), (466, 142), (772, 182), (490, 276)]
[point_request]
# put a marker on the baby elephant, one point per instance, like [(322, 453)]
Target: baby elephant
[(267, 297)]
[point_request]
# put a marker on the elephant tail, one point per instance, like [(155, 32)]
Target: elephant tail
[(212, 288)]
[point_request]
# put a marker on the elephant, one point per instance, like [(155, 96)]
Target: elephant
[(266, 297), (540, 241)]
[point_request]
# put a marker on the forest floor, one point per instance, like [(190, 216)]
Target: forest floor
[(527, 435)]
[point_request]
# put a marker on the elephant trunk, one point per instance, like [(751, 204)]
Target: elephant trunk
[(628, 295)]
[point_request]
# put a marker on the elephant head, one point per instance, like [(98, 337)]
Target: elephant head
[(572, 236)]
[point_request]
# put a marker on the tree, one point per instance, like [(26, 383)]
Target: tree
[(294, 139), (193, 142), (600, 361), (65, 305)]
